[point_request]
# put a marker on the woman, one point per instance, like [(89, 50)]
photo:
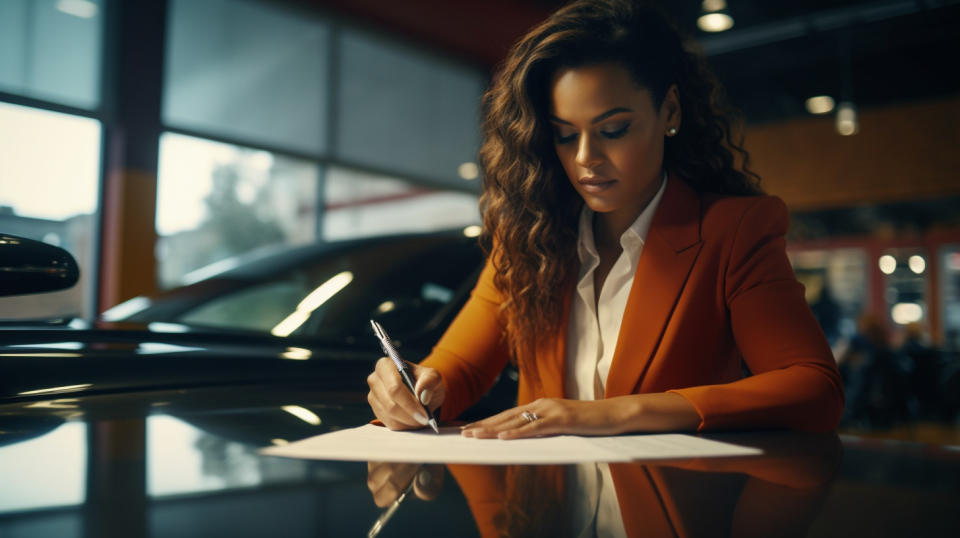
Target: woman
[(634, 269)]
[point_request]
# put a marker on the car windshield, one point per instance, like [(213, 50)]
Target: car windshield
[(407, 284)]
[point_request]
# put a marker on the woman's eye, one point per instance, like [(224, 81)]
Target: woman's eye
[(564, 138), (616, 131)]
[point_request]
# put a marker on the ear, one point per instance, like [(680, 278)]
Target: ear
[(670, 108)]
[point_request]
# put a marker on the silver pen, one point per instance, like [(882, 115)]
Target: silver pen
[(404, 370)]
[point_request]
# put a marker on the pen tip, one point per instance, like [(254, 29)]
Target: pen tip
[(433, 424)]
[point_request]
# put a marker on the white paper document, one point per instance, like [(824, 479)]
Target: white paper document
[(376, 443)]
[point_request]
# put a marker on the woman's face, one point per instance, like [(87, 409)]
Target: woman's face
[(609, 137)]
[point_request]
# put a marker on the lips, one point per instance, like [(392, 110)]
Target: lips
[(594, 184)]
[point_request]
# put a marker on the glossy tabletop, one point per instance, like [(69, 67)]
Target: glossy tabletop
[(185, 463)]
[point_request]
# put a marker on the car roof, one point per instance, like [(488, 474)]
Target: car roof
[(268, 260)]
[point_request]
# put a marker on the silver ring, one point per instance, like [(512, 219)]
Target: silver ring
[(528, 416)]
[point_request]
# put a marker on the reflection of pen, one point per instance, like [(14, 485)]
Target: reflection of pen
[(388, 511), (403, 369)]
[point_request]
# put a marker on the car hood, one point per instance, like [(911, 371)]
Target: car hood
[(41, 360)]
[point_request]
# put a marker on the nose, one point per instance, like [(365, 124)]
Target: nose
[(588, 155)]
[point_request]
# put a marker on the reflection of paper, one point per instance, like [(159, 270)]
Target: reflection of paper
[(376, 443)]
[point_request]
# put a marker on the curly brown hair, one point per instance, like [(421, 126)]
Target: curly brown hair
[(529, 207)]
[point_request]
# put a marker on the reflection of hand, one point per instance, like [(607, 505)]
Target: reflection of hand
[(392, 401), (387, 481)]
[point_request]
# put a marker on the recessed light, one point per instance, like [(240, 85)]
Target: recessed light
[(715, 22), (821, 104)]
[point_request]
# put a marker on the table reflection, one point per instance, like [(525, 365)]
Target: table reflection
[(777, 494)]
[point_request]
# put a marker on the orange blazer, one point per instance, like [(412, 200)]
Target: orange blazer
[(713, 291)]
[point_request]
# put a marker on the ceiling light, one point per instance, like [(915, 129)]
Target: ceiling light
[(821, 104), (713, 5), (847, 122), (715, 22)]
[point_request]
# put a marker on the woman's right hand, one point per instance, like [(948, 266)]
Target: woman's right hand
[(392, 401)]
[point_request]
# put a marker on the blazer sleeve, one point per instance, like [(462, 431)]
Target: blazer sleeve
[(472, 352), (795, 382)]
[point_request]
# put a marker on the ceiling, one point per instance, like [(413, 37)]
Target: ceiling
[(779, 53)]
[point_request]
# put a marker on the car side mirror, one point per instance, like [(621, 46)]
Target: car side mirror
[(29, 266)]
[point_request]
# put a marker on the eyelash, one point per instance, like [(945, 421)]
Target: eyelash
[(612, 135)]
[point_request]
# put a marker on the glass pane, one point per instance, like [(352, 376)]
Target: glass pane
[(359, 204), (403, 110), (333, 292), (836, 287), (49, 187), (216, 201), (247, 70), (50, 49), (905, 285), (950, 296)]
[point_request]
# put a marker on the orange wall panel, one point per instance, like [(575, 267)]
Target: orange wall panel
[(901, 153)]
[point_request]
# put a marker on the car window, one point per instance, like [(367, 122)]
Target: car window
[(256, 308), (406, 284)]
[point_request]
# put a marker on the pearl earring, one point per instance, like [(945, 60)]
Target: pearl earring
[(672, 131)]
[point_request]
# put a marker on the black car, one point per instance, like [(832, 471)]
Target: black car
[(294, 314), (412, 284)]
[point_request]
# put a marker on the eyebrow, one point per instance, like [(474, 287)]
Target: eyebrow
[(597, 119)]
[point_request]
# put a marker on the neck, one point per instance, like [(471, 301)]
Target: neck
[(608, 227)]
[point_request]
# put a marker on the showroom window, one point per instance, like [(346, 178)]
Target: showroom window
[(247, 71), (286, 127), (216, 201), (950, 295), (51, 50), (905, 275), (405, 110), (49, 189), (359, 204), (50, 71), (835, 283)]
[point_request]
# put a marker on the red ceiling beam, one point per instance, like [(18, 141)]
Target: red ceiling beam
[(479, 31)]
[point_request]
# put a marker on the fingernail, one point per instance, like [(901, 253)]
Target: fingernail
[(420, 418), (425, 396), (424, 478)]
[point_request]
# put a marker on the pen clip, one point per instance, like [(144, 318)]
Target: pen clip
[(386, 344)]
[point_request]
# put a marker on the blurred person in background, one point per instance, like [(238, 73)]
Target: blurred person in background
[(876, 377), (925, 372)]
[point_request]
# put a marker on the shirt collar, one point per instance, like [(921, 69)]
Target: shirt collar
[(633, 237)]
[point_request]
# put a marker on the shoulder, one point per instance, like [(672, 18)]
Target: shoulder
[(728, 216)]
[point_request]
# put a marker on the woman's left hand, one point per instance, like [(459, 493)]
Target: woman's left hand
[(611, 416), (551, 416)]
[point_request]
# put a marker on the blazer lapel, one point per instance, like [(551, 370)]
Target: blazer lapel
[(671, 248)]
